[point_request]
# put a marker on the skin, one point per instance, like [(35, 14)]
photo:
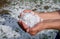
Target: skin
[(51, 21)]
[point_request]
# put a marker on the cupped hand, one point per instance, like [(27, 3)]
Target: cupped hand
[(32, 31)]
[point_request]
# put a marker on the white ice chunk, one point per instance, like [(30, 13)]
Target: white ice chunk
[(30, 19)]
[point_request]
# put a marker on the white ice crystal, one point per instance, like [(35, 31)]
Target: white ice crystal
[(7, 32), (30, 19)]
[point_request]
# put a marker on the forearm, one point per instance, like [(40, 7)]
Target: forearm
[(51, 21), (51, 15), (52, 24)]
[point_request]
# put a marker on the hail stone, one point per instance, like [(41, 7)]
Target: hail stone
[(30, 19)]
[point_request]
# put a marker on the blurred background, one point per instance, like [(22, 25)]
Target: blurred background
[(35, 5)]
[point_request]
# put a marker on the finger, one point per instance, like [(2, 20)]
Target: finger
[(24, 25), (32, 31)]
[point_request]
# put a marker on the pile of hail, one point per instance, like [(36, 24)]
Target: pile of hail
[(30, 19)]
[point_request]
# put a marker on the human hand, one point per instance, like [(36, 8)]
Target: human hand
[(32, 31), (23, 25), (46, 25)]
